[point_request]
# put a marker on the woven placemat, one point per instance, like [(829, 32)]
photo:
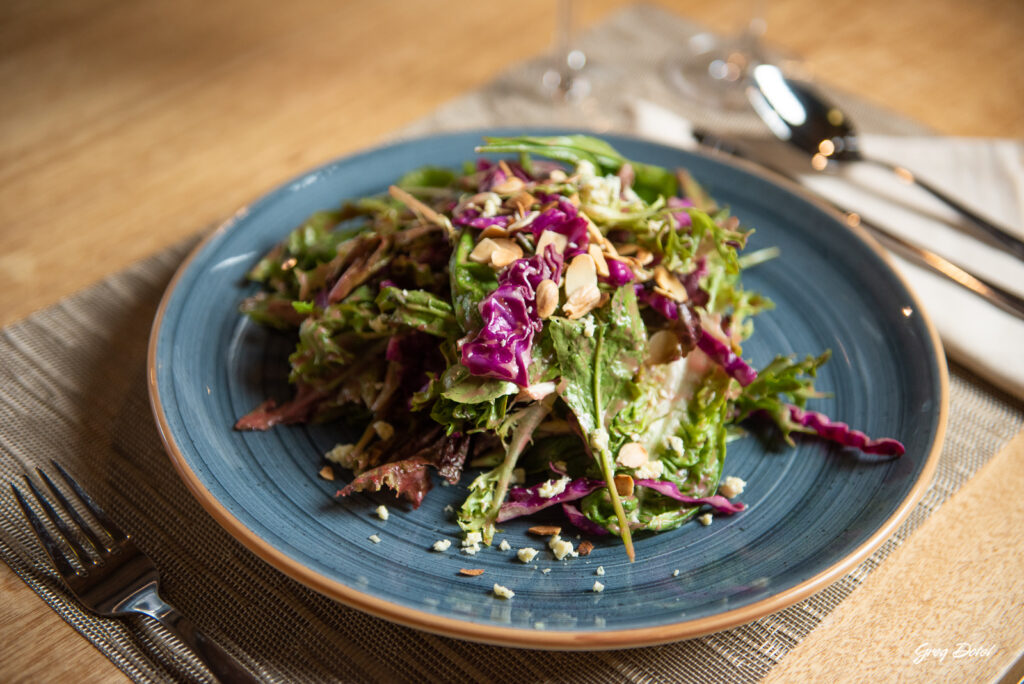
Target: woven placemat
[(73, 388)]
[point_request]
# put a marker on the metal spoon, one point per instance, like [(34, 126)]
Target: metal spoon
[(994, 294), (800, 116)]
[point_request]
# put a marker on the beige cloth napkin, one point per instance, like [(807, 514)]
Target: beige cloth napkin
[(986, 174)]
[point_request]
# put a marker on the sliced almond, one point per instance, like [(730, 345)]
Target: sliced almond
[(550, 237), (481, 254), (557, 176), (628, 249), (545, 530), (502, 257), (644, 256), (574, 199), (582, 301), (593, 231), (521, 202), (632, 455), (547, 298), (670, 284), (599, 263), (471, 572), (509, 186), (493, 232), (624, 485), (582, 272), (327, 472), (663, 347), (585, 547)]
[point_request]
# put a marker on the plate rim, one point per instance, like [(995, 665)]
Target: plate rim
[(513, 636)]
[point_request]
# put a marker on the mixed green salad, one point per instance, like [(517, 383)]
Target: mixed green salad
[(564, 319)]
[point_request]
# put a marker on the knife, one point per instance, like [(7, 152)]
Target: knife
[(994, 294)]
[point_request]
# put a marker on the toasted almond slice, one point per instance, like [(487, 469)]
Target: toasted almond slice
[(663, 347), (471, 572), (599, 263), (327, 472), (557, 176), (509, 186), (609, 248), (521, 202), (550, 237), (483, 250), (574, 199), (545, 530), (494, 232), (503, 165), (593, 232), (585, 547), (547, 298), (670, 284), (644, 256), (624, 485), (582, 301), (632, 455), (582, 272), (501, 258), (628, 249)]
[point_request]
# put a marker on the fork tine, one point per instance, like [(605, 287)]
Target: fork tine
[(106, 523), (66, 505), (50, 545), (62, 526)]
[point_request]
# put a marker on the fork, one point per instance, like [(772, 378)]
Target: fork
[(124, 580)]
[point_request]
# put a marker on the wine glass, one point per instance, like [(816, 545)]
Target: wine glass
[(714, 70)]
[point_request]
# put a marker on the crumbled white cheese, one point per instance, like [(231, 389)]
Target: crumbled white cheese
[(374, 538), (705, 519), (600, 571), (675, 443), (339, 454), (538, 625), (651, 470), (561, 547), (382, 512), (554, 487), (503, 592), (448, 509), (732, 486), (598, 587), (527, 554), (442, 545), (504, 545), (675, 573), (518, 475), (491, 205), (589, 326), (471, 550), (472, 539), (546, 570)]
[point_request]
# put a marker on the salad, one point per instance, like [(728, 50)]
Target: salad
[(566, 323)]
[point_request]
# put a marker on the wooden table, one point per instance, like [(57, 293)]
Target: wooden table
[(128, 126)]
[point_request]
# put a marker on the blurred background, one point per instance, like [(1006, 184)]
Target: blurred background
[(128, 126)]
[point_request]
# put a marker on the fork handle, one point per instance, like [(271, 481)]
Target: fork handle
[(221, 663)]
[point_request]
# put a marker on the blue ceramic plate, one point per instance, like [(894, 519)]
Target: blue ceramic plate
[(814, 511)]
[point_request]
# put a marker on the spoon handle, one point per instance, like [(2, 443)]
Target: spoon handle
[(1001, 235)]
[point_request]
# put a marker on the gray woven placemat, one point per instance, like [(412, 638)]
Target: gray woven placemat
[(73, 388)]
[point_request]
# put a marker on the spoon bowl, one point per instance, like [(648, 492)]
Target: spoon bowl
[(797, 114)]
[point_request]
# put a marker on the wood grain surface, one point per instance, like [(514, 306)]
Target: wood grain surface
[(129, 126)]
